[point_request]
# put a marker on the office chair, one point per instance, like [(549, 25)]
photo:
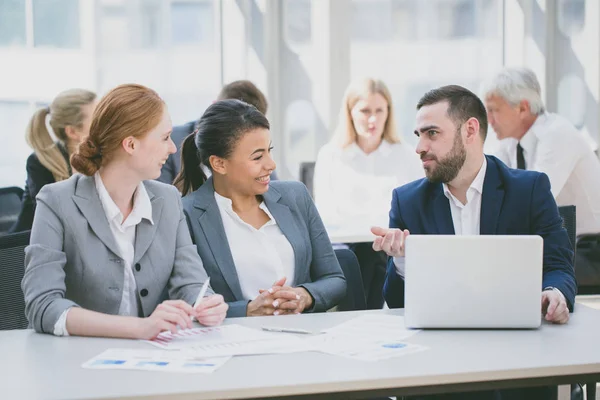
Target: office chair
[(307, 172), (355, 293), (567, 213), (10, 206), (569, 218), (12, 267)]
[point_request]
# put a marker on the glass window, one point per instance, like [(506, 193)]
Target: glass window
[(147, 42), (403, 20), (135, 25), (388, 20), (571, 16), (427, 39), (371, 20), (113, 28), (147, 25), (192, 23), (297, 25), (56, 23), (15, 117), (571, 95), (457, 19), (12, 23)]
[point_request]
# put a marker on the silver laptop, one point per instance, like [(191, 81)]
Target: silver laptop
[(473, 281)]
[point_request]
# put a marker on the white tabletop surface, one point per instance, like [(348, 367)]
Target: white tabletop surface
[(350, 234), (37, 366)]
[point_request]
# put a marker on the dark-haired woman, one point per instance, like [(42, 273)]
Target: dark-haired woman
[(107, 245), (262, 243)]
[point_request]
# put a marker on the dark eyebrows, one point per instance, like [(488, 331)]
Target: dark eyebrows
[(426, 129), (261, 150)]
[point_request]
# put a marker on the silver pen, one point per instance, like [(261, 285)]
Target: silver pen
[(286, 330)]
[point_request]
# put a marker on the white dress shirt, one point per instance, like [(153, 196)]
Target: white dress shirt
[(261, 256), (466, 218), (353, 189), (124, 234), (554, 146)]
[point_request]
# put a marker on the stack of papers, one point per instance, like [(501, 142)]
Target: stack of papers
[(366, 338), (200, 337), (154, 360)]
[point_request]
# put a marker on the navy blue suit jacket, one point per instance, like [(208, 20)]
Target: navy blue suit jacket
[(514, 202)]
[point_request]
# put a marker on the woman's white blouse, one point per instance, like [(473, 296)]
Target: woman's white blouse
[(353, 190), (261, 256)]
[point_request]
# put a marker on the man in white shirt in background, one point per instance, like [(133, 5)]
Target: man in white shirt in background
[(533, 139)]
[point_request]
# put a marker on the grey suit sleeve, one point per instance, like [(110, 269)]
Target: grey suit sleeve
[(43, 282), (237, 308), (188, 271), (328, 284)]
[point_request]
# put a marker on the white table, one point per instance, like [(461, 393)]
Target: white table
[(350, 235), (36, 366), (341, 237)]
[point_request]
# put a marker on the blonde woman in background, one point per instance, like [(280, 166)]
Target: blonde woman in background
[(357, 170), (70, 117)]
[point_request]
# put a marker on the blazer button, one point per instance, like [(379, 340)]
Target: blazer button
[(144, 292), (138, 267)]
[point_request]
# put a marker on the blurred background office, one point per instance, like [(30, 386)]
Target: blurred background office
[(301, 53)]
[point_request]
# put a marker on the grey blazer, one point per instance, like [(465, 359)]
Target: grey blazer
[(73, 258), (317, 269)]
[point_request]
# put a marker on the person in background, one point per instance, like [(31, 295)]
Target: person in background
[(356, 172), (541, 141), (70, 116), (108, 244), (241, 90), (263, 243), (534, 139)]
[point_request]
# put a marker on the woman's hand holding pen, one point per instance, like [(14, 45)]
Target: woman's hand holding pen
[(166, 317), (211, 311), (172, 315)]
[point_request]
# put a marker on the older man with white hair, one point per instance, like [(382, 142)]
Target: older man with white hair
[(534, 139)]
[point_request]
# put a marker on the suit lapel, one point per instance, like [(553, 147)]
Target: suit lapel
[(491, 199), (212, 225), (87, 200), (145, 231), (441, 211), (285, 220)]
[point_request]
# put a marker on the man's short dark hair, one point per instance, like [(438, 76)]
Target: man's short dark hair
[(462, 105), (245, 91)]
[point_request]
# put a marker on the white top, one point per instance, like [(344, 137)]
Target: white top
[(261, 256), (466, 218), (353, 189), (554, 146), (124, 234)]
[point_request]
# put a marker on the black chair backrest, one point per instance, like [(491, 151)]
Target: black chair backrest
[(10, 206), (569, 218), (567, 213), (355, 293), (12, 267), (307, 171)]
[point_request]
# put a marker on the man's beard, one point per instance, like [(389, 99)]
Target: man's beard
[(447, 169)]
